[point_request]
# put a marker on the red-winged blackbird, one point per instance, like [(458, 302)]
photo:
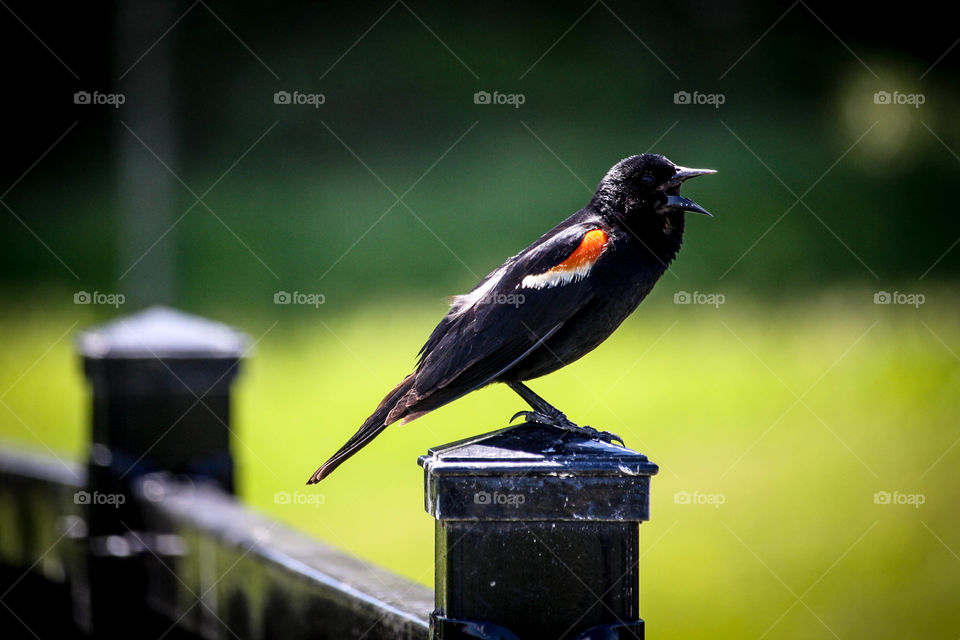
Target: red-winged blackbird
[(551, 303)]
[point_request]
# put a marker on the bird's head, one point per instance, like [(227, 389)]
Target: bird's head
[(647, 185)]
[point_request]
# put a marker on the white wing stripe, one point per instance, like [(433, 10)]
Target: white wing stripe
[(555, 277)]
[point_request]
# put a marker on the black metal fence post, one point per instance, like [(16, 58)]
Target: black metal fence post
[(536, 536), (161, 402)]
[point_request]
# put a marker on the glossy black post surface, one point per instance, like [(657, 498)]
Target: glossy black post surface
[(537, 535)]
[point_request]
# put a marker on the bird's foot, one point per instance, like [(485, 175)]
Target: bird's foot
[(560, 421)]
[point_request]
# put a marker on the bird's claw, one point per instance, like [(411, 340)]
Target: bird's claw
[(544, 418), (606, 436), (525, 414)]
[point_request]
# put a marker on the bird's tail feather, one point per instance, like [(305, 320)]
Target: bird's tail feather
[(370, 429)]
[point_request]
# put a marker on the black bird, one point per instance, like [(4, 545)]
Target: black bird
[(550, 304)]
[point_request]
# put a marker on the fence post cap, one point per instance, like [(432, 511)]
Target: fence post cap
[(536, 472), (162, 332)]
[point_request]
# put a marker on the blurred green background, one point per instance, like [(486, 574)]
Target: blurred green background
[(779, 413)]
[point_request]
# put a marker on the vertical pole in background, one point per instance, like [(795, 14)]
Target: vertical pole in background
[(161, 402), (536, 536), (146, 188)]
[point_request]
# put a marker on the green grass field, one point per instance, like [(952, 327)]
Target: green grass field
[(783, 420)]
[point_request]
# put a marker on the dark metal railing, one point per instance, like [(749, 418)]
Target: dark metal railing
[(536, 533)]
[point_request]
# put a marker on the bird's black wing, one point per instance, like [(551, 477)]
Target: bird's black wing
[(509, 314), (502, 319)]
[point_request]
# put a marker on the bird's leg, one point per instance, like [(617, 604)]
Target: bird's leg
[(545, 413)]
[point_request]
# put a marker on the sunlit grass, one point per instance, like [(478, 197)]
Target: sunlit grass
[(793, 416)]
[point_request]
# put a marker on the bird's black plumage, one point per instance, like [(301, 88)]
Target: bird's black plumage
[(550, 304)]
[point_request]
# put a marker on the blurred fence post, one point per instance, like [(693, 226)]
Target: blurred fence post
[(161, 402), (536, 536)]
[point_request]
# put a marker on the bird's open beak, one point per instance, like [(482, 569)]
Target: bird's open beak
[(683, 173), (675, 200)]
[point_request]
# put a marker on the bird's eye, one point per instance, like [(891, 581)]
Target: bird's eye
[(647, 180)]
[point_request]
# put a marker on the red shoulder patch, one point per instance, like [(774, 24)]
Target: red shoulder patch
[(592, 245), (575, 267)]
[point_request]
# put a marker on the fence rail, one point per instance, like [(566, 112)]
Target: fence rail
[(214, 568)]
